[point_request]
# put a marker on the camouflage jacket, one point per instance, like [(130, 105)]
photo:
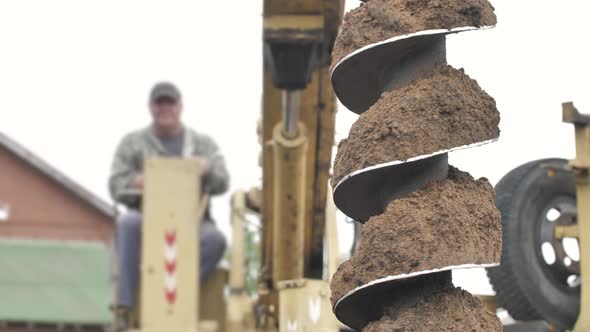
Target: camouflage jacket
[(138, 145)]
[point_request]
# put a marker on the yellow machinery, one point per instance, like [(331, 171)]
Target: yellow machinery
[(169, 273), (581, 229), (294, 205), (169, 297), (297, 136)]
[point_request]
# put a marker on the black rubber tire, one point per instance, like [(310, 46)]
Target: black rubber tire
[(522, 287)]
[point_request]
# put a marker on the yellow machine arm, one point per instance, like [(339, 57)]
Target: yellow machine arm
[(298, 116)]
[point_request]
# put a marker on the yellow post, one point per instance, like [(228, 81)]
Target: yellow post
[(305, 303), (331, 235), (238, 214), (289, 204), (170, 249), (583, 197), (581, 167), (240, 317)]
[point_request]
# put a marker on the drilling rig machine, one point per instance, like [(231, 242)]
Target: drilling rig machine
[(297, 216)]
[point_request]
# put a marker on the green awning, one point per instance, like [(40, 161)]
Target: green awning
[(54, 282)]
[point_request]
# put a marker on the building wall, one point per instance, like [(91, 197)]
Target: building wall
[(41, 208)]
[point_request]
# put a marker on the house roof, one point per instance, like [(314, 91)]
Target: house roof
[(53, 282), (45, 168)]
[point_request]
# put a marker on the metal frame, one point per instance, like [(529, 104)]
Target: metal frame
[(581, 168), (172, 208)]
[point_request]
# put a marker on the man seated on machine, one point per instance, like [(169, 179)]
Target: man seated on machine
[(165, 137)]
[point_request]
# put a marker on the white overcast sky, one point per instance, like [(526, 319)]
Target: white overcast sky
[(74, 77)]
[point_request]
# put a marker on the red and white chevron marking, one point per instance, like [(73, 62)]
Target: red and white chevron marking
[(170, 266)]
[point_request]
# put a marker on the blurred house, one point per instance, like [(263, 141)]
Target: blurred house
[(54, 248)]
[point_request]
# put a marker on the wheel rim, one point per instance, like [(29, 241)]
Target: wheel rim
[(559, 258)]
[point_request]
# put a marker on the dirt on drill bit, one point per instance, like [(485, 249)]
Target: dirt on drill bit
[(378, 20), (449, 222), (372, 301), (447, 311), (438, 112)]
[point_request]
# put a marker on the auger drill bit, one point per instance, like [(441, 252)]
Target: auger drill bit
[(423, 218)]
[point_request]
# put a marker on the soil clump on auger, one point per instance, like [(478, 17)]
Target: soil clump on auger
[(448, 223), (441, 111), (378, 20), (440, 311)]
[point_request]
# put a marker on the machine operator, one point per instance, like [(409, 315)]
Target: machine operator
[(165, 137)]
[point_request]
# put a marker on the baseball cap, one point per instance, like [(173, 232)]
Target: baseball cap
[(164, 89)]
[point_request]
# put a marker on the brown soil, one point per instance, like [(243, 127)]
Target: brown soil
[(378, 20), (433, 113), (450, 310), (449, 222)]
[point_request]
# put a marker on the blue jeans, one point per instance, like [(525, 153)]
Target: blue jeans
[(128, 248)]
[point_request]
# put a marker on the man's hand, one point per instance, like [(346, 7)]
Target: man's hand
[(204, 165), (137, 182)]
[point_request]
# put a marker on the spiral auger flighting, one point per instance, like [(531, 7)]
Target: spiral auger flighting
[(423, 218)]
